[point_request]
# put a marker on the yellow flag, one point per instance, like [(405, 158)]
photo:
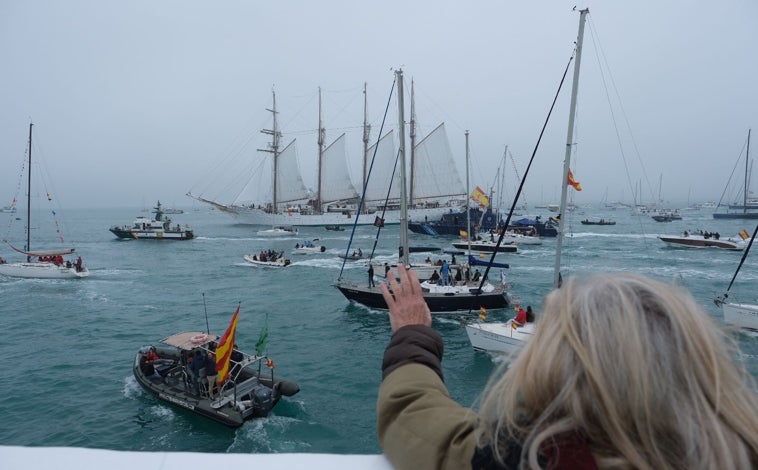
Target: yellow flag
[(483, 313)]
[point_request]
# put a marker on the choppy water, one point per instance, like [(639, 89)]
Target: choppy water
[(68, 346)]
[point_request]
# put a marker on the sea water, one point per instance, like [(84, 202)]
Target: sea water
[(68, 345)]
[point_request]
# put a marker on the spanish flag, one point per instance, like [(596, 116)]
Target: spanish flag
[(573, 182), (479, 196), (224, 349), (483, 313), (744, 235)]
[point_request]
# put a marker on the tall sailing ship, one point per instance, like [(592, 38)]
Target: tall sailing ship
[(435, 183)]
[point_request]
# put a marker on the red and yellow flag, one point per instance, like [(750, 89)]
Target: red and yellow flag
[(483, 313), (479, 196), (225, 347), (744, 235), (572, 182)]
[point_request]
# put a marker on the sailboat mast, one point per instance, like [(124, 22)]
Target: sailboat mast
[(403, 191), (468, 212), (321, 133), (366, 136), (29, 197), (569, 143), (413, 143), (747, 159), (273, 149)]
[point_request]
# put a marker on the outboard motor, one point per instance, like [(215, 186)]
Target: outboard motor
[(263, 401)]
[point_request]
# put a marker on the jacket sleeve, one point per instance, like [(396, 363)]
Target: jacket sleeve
[(419, 425)]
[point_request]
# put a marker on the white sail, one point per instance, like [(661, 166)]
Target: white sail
[(435, 173), (381, 171), (335, 178), (289, 180)]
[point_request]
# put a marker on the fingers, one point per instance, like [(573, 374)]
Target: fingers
[(388, 298)]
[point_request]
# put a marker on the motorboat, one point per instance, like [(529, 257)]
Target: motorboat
[(251, 391), (280, 231), (279, 262), (158, 228), (308, 248), (703, 240), (598, 222)]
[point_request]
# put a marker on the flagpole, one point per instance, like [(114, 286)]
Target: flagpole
[(207, 327)]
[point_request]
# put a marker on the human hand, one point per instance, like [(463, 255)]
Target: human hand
[(406, 304)]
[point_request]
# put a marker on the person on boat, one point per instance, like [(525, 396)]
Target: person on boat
[(626, 372), (529, 314), (434, 278), (78, 264), (2, 261), (520, 319), (428, 260), (467, 273), (458, 274), (371, 275), (147, 364), (445, 273), (452, 259), (477, 275), (210, 371), (360, 253), (196, 369)]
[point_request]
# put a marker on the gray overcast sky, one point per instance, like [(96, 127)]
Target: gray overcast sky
[(143, 100)]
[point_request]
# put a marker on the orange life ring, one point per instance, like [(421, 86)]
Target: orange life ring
[(199, 339)]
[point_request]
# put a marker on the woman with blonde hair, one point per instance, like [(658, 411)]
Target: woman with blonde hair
[(622, 372)]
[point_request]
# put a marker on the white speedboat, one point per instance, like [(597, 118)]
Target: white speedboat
[(277, 232)]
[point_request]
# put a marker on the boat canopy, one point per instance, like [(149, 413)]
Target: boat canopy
[(189, 340)]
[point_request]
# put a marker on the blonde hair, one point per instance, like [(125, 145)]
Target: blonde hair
[(634, 367)]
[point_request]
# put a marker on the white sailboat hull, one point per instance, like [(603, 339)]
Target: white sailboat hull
[(41, 271), (499, 337), (741, 315), (254, 216)]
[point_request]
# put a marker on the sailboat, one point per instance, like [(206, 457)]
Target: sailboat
[(748, 209), (438, 298), (742, 315), (49, 264), (335, 200), (507, 337)]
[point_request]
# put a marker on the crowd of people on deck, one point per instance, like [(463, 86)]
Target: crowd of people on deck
[(59, 261), (706, 235)]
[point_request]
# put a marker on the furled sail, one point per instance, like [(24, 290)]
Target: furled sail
[(381, 172), (335, 180), (435, 172)]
